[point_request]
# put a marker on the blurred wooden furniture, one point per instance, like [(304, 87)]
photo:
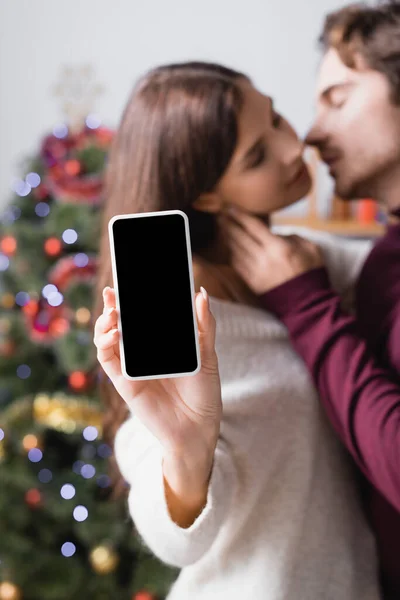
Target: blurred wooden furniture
[(341, 220)]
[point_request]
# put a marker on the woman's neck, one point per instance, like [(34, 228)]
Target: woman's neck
[(218, 252), (219, 258)]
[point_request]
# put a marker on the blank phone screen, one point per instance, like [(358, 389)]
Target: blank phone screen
[(155, 299)]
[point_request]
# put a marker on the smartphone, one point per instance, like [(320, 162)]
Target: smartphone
[(153, 281)]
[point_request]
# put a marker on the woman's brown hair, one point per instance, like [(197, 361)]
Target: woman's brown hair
[(372, 32), (175, 140)]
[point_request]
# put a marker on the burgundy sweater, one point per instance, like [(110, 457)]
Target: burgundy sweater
[(355, 363)]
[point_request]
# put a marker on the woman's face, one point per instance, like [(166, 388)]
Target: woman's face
[(267, 171)]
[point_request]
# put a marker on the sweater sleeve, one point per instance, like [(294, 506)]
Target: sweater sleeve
[(139, 456), (361, 398)]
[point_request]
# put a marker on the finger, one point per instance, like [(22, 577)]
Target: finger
[(107, 340), (106, 321), (296, 239), (256, 228), (109, 298), (241, 265), (106, 354), (236, 236), (207, 329)]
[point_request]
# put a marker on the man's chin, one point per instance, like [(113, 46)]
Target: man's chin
[(346, 190)]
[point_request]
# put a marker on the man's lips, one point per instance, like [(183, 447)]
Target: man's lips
[(330, 159)]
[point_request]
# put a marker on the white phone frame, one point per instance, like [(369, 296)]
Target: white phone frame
[(115, 279)]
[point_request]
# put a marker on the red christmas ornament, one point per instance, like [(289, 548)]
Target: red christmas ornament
[(104, 135), (59, 326), (77, 190), (31, 308), (78, 380), (65, 271), (33, 498), (72, 167), (52, 246), (144, 595), (8, 245)]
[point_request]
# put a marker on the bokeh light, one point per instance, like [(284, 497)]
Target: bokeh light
[(67, 491)]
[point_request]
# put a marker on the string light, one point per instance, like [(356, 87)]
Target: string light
[(77, 466), (103, 481), (60, 131), (90, 433), (82, 316), (10, 214), (21, 188), (4, 262), (81, 259), (30, 441), (23, 371), (55, 299), (8, 301), (93, 121), (67, 491), (80, 513), (42, 209), (22, 298), (45, 475), (49, 289), (88, 471), (35, 455), (104, 451), (68, 549), (70, 236), (33, 179)]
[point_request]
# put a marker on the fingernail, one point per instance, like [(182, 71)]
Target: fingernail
[(105, 290), (114, 331), (232, 209), (205, 296), (110, 311)]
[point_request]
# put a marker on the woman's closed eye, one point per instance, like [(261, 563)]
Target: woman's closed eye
[(258, 157), (276, 120)]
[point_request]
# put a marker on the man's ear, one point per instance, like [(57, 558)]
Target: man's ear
[(209, 202)]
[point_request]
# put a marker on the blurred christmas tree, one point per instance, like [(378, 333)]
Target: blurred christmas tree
[(61, 537)]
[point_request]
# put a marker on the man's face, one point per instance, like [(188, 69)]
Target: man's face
[(357, 127)]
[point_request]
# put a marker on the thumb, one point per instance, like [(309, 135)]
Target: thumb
[(206, 328)]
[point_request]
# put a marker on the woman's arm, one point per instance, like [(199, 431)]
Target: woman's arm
[(178, 522)]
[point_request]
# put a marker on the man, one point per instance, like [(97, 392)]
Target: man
[(355, 362)]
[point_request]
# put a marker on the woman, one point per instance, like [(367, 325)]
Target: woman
[(235, 474)]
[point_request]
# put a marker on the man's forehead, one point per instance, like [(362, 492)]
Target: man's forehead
[(333, 72)]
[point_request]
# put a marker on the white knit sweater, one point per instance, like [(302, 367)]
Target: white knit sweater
[(283, 520)]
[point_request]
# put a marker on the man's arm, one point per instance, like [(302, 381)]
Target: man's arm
[(361, 398)]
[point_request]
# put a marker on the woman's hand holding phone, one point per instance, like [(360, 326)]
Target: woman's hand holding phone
[(183, 413)]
